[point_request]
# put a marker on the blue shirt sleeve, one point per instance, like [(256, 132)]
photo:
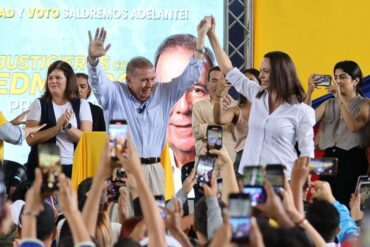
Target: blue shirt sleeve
[(11, 133), (178, 86), (346, 223)]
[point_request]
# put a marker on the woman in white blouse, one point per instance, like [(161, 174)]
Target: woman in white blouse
[(65, 115), (278, 118)]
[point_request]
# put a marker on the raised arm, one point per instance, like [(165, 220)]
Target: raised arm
[(220, 116), (225, 164), (178, 86), (91, 207), (68, 202), (152, 217), (222, 59), (101, 85)]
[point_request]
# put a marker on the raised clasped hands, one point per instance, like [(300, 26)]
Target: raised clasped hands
[(204, 26)]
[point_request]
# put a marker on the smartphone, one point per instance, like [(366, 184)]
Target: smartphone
[(117, 131), (253, 175), (364, 190), (257, 194), (214, 137), (161, 203), (50, 166), (240, 216), (115, 182), (204, 168), (323, 166), (361, 179), (275, 175), (326, 81), (2, 194)]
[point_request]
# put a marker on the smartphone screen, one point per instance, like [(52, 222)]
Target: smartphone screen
[(49, 163), (326, 81), (275, 175), (161, 203), (364, 190), (257, 194), (117, 131), (204, 168), (253, 175), (323, 166), (240, 217), (214, 137)]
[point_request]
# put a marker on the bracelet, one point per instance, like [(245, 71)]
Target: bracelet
[(302, 222), (30, 213)]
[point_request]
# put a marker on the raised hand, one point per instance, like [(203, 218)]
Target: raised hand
[(322, 190), (130, 162), (204, 26), (211, 191), (189, 182), (222, 89), (213, 26), (96, 45), (67, 197), (313, 80), (335, 90), (300, 171), (223, 157), (20, 118)]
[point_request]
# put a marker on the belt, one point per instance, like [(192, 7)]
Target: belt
[(150, 160)]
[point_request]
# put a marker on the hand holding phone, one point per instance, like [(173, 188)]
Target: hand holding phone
[(240, 217), (204, 168), (323, 166), (364, 190), (161, 203), (117, 131), (214, 137), (49, 163), (325, 81)]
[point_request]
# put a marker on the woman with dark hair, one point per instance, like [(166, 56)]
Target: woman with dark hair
[(278, 117), (66, 117), (237, 115), (344, 124)]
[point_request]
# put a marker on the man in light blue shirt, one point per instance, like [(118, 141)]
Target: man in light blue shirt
[(142, 101)]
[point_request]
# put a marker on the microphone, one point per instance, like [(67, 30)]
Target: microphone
[(141, 109)]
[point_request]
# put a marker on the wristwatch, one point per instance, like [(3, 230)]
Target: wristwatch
[(200, 50), (67, 127)]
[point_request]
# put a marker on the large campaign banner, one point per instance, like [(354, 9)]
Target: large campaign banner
[(36, 33)]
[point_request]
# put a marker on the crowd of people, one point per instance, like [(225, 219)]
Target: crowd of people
[(272, 123)]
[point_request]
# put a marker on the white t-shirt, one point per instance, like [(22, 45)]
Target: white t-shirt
[(63, 140)]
